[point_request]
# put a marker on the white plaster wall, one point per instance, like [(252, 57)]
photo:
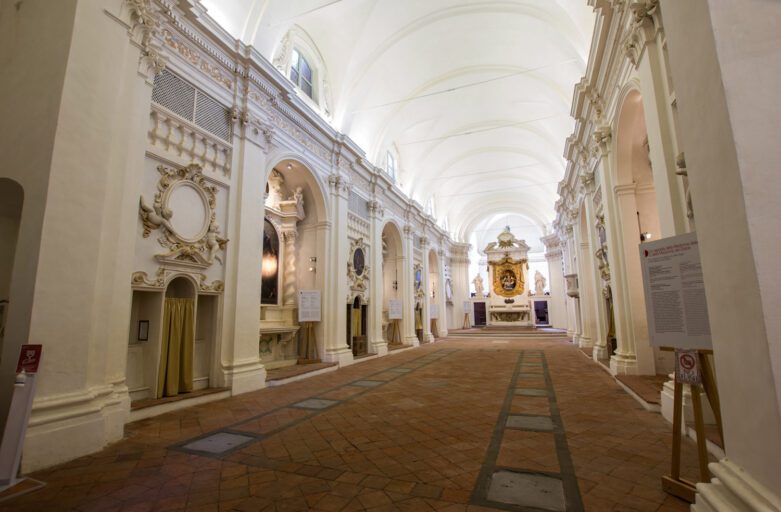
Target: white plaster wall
[(727, 69)]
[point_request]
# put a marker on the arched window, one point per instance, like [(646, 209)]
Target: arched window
[(390, 165), (301, 73)]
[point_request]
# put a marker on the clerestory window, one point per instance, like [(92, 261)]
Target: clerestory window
[(390, 166), (301, 73)]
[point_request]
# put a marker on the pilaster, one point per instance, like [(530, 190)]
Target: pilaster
[(377, 342), (408, 297), (336, 290)]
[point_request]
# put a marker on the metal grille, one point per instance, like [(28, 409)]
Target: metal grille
[(358, 205), (212, 117), (185, 100), (175, 94)]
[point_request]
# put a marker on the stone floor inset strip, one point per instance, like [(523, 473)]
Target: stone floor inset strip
[(520, 486)]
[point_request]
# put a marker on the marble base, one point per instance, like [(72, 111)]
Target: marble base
[(668, 401), (412, 341), (379, 348), (343, 356), (600, 352), (732, 488), (623, 364)]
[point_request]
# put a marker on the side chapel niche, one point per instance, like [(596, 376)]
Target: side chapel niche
[(289, 263), (172, 343)]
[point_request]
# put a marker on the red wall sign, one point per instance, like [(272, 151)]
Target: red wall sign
[(29, 358)]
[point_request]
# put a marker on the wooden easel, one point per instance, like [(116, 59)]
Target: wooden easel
[(434, 328), (467, 324), (394, 333), (674, 484), (308, 339)]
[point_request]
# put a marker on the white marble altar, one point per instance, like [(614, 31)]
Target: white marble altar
[(508, 302)]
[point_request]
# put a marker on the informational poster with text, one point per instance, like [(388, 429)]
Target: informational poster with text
[(394, 309), (675, 293), (309, 305), (433, 311)]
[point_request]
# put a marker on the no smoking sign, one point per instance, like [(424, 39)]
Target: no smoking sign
[(687, 367)]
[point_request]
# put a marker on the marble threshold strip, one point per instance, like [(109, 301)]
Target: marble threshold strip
[(518, 488), (227, 440)]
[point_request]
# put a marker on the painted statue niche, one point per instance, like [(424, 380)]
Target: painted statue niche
[(269, 288)]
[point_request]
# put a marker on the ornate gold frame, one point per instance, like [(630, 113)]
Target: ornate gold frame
[(517, 267)]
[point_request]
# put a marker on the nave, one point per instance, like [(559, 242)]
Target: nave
[(461, 424)]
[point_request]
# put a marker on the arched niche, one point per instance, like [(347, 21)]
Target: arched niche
[(393, 267), (149, 326), (295, 222), (357, 327), (11, 202), (637, 222)]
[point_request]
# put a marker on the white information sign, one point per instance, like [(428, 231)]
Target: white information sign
[(394, 309), (433, 311), (675, 293), (309, 305), (468, 307)]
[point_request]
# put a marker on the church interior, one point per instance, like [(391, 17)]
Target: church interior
[(381, 255)]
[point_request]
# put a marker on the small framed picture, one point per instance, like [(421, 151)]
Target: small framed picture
[(143, 330)]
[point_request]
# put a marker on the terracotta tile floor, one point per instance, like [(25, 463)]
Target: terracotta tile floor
[(418, 440)]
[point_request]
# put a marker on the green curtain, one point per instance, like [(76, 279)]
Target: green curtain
[(176, 351)]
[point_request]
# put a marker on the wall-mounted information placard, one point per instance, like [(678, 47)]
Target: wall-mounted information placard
[(309, 305), (675, 293), (394, 309)]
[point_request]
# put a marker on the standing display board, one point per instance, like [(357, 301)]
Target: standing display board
[(433, 311), (675, 293), (309, 305), (394, 309), (677, 313)]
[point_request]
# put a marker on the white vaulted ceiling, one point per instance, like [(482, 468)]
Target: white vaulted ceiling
[(473, 94)]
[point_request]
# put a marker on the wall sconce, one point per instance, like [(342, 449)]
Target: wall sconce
[(395, 285), (313, 264)]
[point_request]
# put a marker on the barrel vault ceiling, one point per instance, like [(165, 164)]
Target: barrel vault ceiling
[(473, 95)]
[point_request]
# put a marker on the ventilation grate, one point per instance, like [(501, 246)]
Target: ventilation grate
[(212, 117), (358, 205), (175, 94), (183, 99)]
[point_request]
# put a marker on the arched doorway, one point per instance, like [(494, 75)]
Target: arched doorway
[(392, 284), (638, 222), (293, 250), (11, 201)]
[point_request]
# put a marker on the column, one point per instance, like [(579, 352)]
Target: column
[(442, 299), (585, 298), (408, 289), (571, 302), (335, 292), (289, 276), (73, 130), (377, 342), (557, 300), (593, 275), (725, 55), (425, 285)]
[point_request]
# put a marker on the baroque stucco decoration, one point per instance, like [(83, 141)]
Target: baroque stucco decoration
[(509, 279), (358, 271), (196, 245)]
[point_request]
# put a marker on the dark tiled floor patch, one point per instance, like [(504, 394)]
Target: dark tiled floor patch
[(219, 443), (315, 403), (534, 423), (527, 490), (367, 383), (531, 392)]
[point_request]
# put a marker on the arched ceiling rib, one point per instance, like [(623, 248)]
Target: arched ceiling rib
[(472, 94)]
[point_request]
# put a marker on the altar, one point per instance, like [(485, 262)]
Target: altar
[(508, 268)]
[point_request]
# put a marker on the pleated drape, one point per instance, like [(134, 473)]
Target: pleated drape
[(176, 351)]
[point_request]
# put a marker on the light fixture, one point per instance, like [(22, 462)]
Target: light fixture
[(644, 235), (268, 265), (289, 166), (313, 264), (395, 285)]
